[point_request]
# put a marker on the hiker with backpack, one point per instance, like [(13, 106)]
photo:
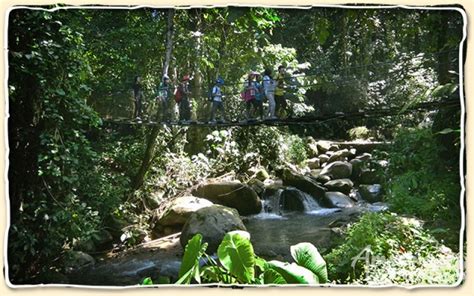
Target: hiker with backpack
[(216, 97), (163, 96), (138, 96), (269, 91), (259, 95), (182, 95), (280, 101), (249, 94)]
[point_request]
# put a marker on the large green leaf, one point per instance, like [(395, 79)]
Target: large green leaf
[(236, 255), (190, 265), (293, 273), (307, 255), (271, 276)]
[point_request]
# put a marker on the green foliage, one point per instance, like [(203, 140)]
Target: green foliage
[(306, 255), (193, 252), (295, 151), (236, 255), (420, 182), (386, 235), (407, 269), (359, 133), (239, 265)]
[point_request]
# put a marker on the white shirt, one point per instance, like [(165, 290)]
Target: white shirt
[(268, 84), (216, 94)]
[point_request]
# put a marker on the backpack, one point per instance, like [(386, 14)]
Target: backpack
[(209, 95), (178, 95)]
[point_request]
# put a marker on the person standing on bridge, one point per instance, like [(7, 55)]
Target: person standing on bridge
[(138, 96), (217, 104), (184, 103), (163, 97), (269, 91), (281, 106)]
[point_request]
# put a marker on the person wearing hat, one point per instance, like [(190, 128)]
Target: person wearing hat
[(217, 104), (163, 97), (184, 103), (250, 94)]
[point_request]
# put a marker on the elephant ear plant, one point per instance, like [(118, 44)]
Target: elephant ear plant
[(237, 263)]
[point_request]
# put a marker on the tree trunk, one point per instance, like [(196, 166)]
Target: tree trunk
[(151, 141)]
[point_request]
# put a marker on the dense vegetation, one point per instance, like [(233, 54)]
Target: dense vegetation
[(73, 176)]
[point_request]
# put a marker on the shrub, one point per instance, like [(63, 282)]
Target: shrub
[(380, 234)]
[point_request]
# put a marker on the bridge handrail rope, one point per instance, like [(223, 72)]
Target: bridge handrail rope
[(314, 119), (294, 86)]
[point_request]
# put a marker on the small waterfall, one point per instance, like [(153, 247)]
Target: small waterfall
[(271, 206), (309, 203), (289, 199)]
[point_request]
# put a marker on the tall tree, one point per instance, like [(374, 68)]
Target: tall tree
[(151, 142)]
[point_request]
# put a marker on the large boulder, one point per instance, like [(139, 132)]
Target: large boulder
[(257, 186), (337, 200), (371, 193), (357, 166), (291, 200), (312, 149), (77, 259), (338, 170), (323, 146), (365, 156), (178, 211), (340, 155), (304, 183), (231, 194), (340, 185), (323, 158), (212, 223), (313, 163)]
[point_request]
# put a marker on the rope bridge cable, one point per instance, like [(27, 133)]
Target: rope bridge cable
[(323, 70), (312, 119)]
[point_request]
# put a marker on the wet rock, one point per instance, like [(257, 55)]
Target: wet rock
[(212, 223), (272, 190), (231, 194), (303, 183), (371, 193), (178, 210), (337, 200), (334, 148), (338, 170), (340, 185), (291, 200)]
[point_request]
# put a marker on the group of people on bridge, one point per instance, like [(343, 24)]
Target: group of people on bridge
[(257, 89)]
